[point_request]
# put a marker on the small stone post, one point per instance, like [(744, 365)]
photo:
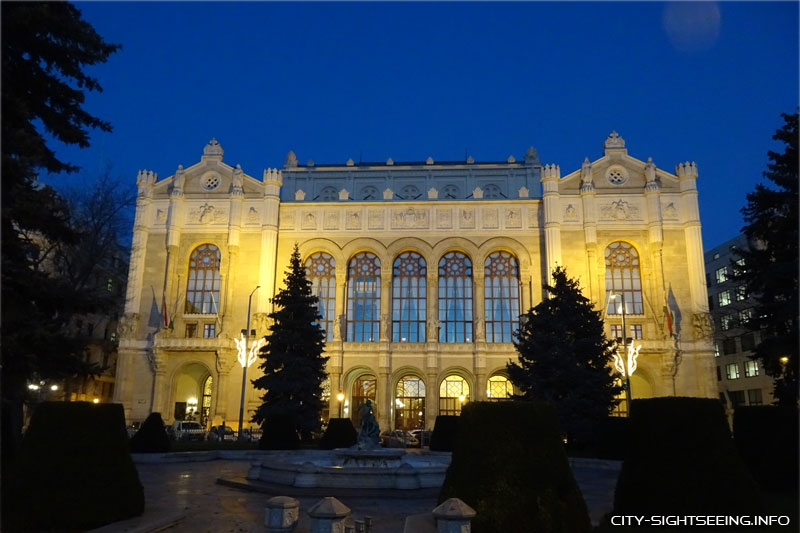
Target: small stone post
[(328, 515), (281, 514), (453, 516)]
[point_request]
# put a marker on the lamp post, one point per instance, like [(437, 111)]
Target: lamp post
[(245, 364), (625, 366), (340, 398)]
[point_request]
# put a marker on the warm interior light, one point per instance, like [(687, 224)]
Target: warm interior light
[(340, 396), (33, 386), (784, 359), (461, 398), (96, 400), (399, 403), (53, 387)]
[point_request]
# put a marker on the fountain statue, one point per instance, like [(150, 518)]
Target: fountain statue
[(369, 435)]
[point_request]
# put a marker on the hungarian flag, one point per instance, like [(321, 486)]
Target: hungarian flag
[(166, 317), (668, 312)]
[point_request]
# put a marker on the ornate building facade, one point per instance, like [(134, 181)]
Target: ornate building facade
[(422, 271)]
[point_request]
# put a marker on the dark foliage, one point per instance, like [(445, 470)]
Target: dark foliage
[(340, 433), (771, 264), (45, 46), (564, 358), (151, 437), (767, 439), (510, 466), (682, 461), (279, 432), (73, 472), (292, 360), (445, 432), (611, 438)]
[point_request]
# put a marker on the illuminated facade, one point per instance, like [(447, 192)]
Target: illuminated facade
[(422, 270)]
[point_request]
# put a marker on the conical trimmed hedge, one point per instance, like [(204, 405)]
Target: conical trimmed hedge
[(151, 437)]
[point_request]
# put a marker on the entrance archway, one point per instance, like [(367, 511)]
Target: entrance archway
[(364, 388), (192, 393), (409, 403)]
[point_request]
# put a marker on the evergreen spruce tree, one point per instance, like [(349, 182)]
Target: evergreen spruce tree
[(771, 264), (564, 358), (293, 364)]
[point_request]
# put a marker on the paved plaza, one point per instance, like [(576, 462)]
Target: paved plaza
[(186, 497)]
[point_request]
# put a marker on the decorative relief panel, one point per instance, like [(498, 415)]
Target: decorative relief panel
[(287, 220), (375, 220), (513, 218), (353, 220), (208, 214), (161, 216), (466, 218), (670, 211), (331, 220), (444, 218), (570, 214), (253, 216), (409, 218), (533, 217), (308, 221), (489, 218), (619, 210)]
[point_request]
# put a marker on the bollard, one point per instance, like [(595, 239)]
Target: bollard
[(368, 524), (360, 527), (328, 515), (453, 516), (281, 514)]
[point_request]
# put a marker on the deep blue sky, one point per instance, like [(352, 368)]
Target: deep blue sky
[(704, 82)]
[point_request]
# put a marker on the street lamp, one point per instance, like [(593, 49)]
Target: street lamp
[(625, 366), (340, 398), (244, 360)]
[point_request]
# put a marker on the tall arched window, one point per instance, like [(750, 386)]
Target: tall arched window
[(623, 278), (363, 298), (364, 388), (453, 393), (202, 287), (501, 296), (408, 298), (321, 272), (498, 387), (409, 403), (455, 298)]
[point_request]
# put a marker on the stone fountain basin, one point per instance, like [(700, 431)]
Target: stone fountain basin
[(355, 469)]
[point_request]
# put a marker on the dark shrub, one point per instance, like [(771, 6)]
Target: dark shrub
[(151, 437), (340, 433), (445, 431), (510, 466), (767, 439), (682, 461), (73, 472), (279, 432), (611, 438)]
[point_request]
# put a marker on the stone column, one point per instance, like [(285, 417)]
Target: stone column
[(690, 215), (431, 397), (432, 306), (590, 232), (384, 398), (551, 174), (340, 327), (160, 385), (226, 361), (273, 181), (478, 307), (386, 303), (141, 229), (480, 384), (333, 402)]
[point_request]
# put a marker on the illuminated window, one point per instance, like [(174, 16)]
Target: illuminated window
[(329, 194), (623, 278), (745, 316), (501, 296), (636, 331), (716, 349), (453, 393), (499, 388), (621, 409), (732, 371), (409, 403), (724, 298), (363, 298), (616, 331), (750, 369), (408, 298), (721, 275), (725, 322), (364, 389), (209, 331), (321, 272), (741, 293), (455, 298), (110, 285), (191, 330), (492, 192), (754, 396), (739, 267), (202, 287)]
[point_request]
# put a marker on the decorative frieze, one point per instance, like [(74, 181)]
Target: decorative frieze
[(253, 216), (353, 220), (619, 210), (410, 218), (308, 221), (513, 218), (466, 219), (489, 218), (570, 213), (287, 219), (670, 212), (376, 219), (208, 214), (444, 218), (331, 221)]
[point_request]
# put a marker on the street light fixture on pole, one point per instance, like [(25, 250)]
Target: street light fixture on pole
[(626, 370), (340, 399), (245, 364)]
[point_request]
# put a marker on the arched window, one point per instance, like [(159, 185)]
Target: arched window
[(202, 287), (501, 296), (409, 192), (409, 403), (408, 298), (499, 388), (329, 194), (369, 193), (492, 192), (364, 388), (450, 192), (623, 278), (321, 272), (453, 394), (455, 298), (363, 298)]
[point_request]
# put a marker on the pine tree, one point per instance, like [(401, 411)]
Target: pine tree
[(293, 364), (564, 358), (771, 264)]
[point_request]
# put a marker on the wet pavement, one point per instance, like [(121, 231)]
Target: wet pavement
[(191, 489)]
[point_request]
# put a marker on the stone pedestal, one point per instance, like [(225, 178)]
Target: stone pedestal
[(328, 515), (281, 514), (453, 516)]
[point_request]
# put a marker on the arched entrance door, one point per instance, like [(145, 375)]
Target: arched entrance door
[(409, 403), (453, 394), (364, 388), (191, 396)]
